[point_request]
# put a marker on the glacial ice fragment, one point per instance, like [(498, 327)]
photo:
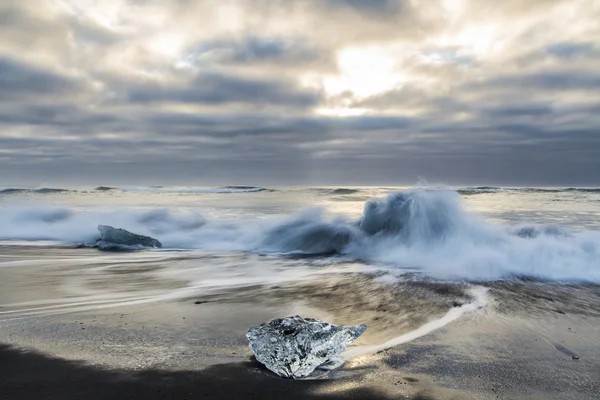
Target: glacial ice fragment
[(293, 347), (113, 238)]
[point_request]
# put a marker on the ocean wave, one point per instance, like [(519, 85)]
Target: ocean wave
[(344, 191), (493, 189), (334, 191), (33, 190), (12, 190), (583, 190), (416, 230), (50, 190), (479, 190), (224, 189), (149, 189)]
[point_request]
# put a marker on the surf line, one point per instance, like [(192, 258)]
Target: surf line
[(479, 301)]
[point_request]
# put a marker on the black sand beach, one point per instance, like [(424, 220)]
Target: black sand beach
[(532, 340)]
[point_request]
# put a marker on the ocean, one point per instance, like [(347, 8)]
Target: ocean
[(469, 234)]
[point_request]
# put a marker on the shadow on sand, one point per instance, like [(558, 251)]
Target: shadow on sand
[(33, 375)]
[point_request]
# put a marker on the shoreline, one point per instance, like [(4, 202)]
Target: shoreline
[(522, 345)]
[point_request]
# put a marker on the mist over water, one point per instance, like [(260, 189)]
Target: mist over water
[(424, 230)]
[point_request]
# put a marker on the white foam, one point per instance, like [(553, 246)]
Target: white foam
[(423, 230), (194, 190)]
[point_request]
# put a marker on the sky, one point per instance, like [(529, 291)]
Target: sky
[(294, 92)]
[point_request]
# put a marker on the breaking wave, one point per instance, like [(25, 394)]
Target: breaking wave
[(342, 193), (150, 189), (494, 189), (334, 191), (11, 190), (34, 190), (419, 231), (224, 189)]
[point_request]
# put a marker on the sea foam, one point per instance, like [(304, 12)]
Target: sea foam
[(421, 230)]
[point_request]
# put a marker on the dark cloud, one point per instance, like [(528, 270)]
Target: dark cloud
[(18, 79), (257, 50), (367, 6), (65, 119), (569, 50), (519, 110), (213, 88), (552, 81)]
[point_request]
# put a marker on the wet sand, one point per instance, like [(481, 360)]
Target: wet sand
[(483, 358), (531, 341)]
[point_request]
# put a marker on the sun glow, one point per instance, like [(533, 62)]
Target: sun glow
[(342, 112), (167, 44), (477, 40), (364, 72)]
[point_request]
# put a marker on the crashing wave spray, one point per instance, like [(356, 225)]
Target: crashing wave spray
[(420, 229), (430, 231), (416, 216)]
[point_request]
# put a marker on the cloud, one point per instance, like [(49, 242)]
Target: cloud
[(20, 81), (263, 50), (367, 6), (214, 88), (373, 91), (568, 50), (547, 81)]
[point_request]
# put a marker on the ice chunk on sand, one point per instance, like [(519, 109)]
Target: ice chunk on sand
[(293, 347)]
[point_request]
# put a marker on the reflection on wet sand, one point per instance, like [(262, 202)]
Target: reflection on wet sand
[(174, 323)]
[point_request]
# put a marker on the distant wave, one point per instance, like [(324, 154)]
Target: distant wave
[(583, 190), (353, 194), (494, 189), (149, 189), (34, 190), (224, 189), (334, 191), (251, 188), (50, 190), (415, 230), (343, 191), (12, 190), (479, 190)]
